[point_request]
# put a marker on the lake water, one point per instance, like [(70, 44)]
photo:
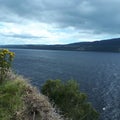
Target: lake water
[(97, 73)]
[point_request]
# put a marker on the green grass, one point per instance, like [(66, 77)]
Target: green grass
[(11, 93), (19, 100)]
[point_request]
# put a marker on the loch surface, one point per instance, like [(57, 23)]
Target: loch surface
[(97, 73)]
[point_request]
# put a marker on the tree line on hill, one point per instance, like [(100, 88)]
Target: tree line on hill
[(111, 45)]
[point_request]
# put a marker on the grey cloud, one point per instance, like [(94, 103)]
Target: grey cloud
[(98, 15), (22, 36)]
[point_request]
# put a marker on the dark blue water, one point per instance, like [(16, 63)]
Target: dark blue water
[(97, 73)]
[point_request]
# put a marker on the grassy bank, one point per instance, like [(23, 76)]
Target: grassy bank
[(21, 101)]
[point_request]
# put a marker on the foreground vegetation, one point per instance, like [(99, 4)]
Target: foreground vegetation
[(69, 100), (11, 94), (21, 101)]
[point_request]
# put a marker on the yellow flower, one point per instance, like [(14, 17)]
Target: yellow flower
[(5, 51)]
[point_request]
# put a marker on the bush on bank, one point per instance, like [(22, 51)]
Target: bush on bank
[(6, 58), (69, 100)]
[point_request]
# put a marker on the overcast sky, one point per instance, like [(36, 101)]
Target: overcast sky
[(58, 21)]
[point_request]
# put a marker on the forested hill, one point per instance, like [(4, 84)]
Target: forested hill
[(111, 45)]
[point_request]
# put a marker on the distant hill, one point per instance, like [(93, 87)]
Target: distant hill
[(111, 45)]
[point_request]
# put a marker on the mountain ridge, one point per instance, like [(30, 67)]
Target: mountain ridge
[(109, 45)]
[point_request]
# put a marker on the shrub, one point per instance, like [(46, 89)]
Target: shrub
[(69, 100), (6, 58)]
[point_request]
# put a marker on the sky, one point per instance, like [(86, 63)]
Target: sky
[(58, 21)]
